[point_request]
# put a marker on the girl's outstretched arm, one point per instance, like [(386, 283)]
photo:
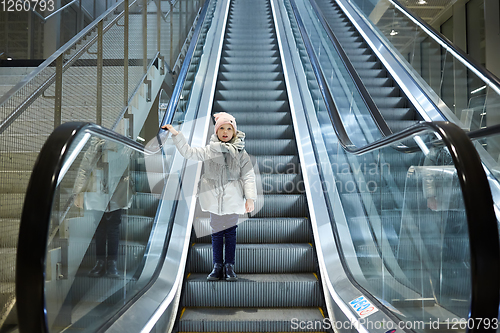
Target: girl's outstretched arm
[(192, 153)]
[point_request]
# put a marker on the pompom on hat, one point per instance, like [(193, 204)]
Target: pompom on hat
[(222, 118)]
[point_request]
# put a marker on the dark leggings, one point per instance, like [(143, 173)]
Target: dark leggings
[(219, 224), (108, 230)]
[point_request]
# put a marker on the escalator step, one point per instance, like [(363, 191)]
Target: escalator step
[(271, 147), (249, 68), (253, 290), (250, 106), (249, 319), (282, 184), (258, 258), (136, 228), (249, 60), (257, 118), (240, 47), (144, 204), (250, 85), (263, 230), (398, 114), (245, 95), (259, 54), (278, 164), (269, 132), (251, 76), (281, 205)]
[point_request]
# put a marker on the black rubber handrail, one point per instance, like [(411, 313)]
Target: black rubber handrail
[(478, 201), (36, 216)]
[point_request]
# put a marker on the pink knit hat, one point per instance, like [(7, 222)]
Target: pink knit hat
[(222, 118)]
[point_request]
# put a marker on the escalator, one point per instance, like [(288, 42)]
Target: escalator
[(342, 232), (395, 203), (274, 251)]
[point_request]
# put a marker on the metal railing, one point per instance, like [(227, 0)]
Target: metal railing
[(92, 78), (46, 18)]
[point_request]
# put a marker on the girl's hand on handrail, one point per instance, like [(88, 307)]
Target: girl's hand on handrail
[(170, 128)]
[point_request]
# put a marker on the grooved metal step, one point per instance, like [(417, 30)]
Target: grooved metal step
[(265, 230), (258, 258), (248, 319), (302, 290)]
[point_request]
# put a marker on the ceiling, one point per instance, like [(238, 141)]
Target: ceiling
[(428, 10)]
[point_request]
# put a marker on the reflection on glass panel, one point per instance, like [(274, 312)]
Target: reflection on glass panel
[(433, 249), (408, 228), (100, 227)]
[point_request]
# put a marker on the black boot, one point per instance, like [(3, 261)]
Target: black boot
[(112, 270), (216, 273), (98, 270), (229, 273)]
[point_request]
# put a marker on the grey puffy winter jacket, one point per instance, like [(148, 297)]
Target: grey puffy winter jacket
[(228, 179)]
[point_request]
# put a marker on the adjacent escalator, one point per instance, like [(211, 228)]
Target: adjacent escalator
[(393, 104), (403, 210)]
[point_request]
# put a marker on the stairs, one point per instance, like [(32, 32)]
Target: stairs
[(275, 260), (11, 76)]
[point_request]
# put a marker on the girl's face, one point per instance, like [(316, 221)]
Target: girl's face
[(225, 133)]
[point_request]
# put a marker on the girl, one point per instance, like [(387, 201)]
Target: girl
[(227, 181)]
